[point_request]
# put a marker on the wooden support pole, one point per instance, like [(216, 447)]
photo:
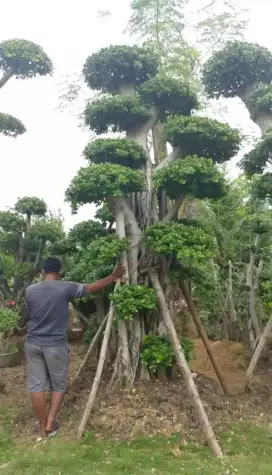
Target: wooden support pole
[(188, 378), (257, 353), (90, 350), (98, 374), (203, 334)]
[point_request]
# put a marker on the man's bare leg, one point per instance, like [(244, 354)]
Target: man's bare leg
[(39, 407), (56, 402)]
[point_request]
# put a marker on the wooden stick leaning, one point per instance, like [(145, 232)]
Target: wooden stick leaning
[(257, 353), (203, 334), (90, 350), (180, 358), (98, 373)]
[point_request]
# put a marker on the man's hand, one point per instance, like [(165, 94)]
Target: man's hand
[(118, 272)]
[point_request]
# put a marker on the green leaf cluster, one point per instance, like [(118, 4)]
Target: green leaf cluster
[(8, 319), (10, 126), (105, 215), (191, 176), (96, 183), (111, 67), (258, 158), (157, 354), (129, 300), (120, 151), (117, 113), (98, 259), (239, 66), (190, 243), (262, 187), (203, 137), (83, 233), (260, 102), (170, 96), (24, 58)]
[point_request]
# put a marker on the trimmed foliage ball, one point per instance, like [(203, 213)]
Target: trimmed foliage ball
[(192, 176), (117, 113), (258, 158), (262, 187), (31, 205), (112, 67), (120, 151), (239, 66), (184, 242), (171, 96), (96, 183), (25, 58), (260, 102), (10, 126), (204, 137)]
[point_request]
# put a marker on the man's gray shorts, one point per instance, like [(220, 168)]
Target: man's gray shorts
[(47, 368)]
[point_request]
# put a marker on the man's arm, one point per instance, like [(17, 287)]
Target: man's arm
[(77, 291), (102, 283)]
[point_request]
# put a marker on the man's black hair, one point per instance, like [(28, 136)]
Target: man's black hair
[(52, 265)]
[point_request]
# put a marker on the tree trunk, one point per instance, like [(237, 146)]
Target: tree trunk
[(203, 334), (98, 374), (257, 353), (125, 366), (189, 381), (253, 318)]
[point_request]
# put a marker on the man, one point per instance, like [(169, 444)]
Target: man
[(46, 348)]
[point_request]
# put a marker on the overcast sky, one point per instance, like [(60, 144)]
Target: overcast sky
[(43, 161)]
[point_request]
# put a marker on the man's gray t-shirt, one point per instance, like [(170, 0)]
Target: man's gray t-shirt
[(48, 306)]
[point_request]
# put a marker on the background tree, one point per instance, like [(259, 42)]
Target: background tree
[(244, 70), (20, 59), (27, 233)]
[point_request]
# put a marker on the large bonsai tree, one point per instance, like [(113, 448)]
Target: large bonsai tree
[(144, 200), (21, 59)]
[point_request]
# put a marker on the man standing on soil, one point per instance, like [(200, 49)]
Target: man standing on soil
[(46, 348)]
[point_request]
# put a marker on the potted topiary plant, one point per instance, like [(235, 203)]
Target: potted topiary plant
[(8, 351)]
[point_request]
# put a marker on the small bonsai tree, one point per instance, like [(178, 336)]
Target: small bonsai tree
[(8, 321), (143, 199), (22, 59)]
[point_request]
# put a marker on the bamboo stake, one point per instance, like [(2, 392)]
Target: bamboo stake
[(189, 380), (90, 350), (203, 334), (98, 374), (257, 353)]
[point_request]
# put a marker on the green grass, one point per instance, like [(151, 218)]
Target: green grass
[(248, 451)]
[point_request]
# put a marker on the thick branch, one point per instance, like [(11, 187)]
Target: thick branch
[(174, 210), (169, 159), (4, 79)]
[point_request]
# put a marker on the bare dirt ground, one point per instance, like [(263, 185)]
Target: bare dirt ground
[(155, 407)]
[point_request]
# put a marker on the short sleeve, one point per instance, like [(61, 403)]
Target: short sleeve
[(74, 290)]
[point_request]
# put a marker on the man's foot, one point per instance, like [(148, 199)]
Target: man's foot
[(54, 431), (42, 434)]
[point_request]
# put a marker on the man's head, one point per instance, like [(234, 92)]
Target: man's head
[(52, 268)]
